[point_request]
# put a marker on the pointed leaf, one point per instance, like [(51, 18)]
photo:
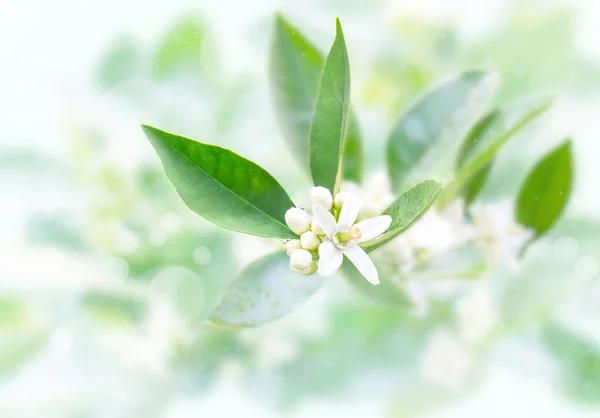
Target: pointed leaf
[(406, 210), (330, 119), (265, 291), (425, 130), (503, 128), (475, 137), (546, 190), (296, 66), (222, 186)]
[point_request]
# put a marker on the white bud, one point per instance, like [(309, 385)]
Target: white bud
[(316, 228), (307, 272), (301, 262), (339, 199), (291, 245), (300, 259), (309, 240), (321, 196), (297, 220)]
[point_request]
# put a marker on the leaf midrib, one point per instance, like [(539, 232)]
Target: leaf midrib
[(221, 184)]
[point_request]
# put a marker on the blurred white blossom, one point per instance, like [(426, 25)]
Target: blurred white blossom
[(497, 232), (477, 315), (446, 361), (376, 195), (435, 233)]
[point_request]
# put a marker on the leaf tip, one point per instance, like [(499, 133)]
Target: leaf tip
[(280, 19), (567, 143), (338, 27), (147, 128)]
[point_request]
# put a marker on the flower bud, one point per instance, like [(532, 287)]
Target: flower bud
[(316, 227), (339, 199), (300, 259), (291, 245), (306, 272), (321, 196), (297, 220), (301, 262), (309, 240)]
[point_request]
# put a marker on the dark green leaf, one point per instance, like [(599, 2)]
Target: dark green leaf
[(406, 210), (426, 127), (546, 190), (328, 130), (295, 69), (352, 162), (474, 137), (222, 186), (265, 291), (502, 128)]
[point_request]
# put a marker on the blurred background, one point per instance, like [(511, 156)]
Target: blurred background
[(93, 237)]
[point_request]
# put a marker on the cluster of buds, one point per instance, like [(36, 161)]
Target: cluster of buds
[(331, 233), (304, 251)]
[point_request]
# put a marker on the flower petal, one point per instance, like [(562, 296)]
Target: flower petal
[(325, 220), (330, 259), (372, 228), (349, 211), (362, 262)]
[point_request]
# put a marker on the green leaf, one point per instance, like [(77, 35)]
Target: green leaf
[(407, 210), (296, 66), (22, 334), (474, 137), (502, 128), (580, 361), (114, 309), (123, 61), (181, 48), (352, 162), (428, 126), (265, 291), (330, 119), (546, 190), (222, 186)]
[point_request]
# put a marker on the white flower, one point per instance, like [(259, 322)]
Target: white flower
[(445, 361), (439, 231), (477, 315), (321, 196), (301, 262), (376, 194), (291, 245), (297, 220), (435, 233), (310, 241), (344, 236), (498, 233)]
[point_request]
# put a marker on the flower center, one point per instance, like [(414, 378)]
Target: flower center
[(342, 239)]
